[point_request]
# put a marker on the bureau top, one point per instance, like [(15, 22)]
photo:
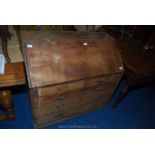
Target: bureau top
[(57, 57)]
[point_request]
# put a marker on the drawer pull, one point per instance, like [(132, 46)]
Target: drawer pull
[(102, 79), (61, 97), (60, 106)]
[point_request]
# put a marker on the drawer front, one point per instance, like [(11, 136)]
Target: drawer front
[(90, 100), (52, 108), (78, 85), (73, 101), (75, 97), (58, 115)]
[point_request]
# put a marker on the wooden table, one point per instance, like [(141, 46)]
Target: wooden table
[(14, 76), (139, 68)]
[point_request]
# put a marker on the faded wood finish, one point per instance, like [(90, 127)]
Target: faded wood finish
[(65, 101), (69, 73), (58, 62)]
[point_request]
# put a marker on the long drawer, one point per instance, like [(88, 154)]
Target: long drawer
[(78, 85), (57, 116), (74, 97)]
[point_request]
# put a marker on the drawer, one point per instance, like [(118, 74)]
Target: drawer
[(72, 97), (57, 116), (75, 100), (46, 115), (49, 109), (78, 85), (53, 100)]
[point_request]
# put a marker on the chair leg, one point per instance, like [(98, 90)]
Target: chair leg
[(121, 96), (131, 77)]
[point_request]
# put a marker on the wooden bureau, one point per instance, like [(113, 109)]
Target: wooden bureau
[(69, 73)]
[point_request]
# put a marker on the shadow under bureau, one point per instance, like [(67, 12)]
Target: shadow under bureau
[(69, 73)]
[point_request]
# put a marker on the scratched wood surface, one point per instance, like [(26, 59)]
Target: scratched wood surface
[(62, 61), (69, 73)]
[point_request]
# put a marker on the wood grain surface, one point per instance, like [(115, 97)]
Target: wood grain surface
[(71, 99), (62, 61), (69, 73), (14, 75)]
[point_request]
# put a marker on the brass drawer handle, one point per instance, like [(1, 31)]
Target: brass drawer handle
[(60, 106), (61, 97), (102, 79)]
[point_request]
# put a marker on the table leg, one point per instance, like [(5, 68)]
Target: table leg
[(6, 103)]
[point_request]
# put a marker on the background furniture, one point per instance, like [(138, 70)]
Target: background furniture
[(11, 46), (14, 72), (5, 36), (139, 67), (14, 76)]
